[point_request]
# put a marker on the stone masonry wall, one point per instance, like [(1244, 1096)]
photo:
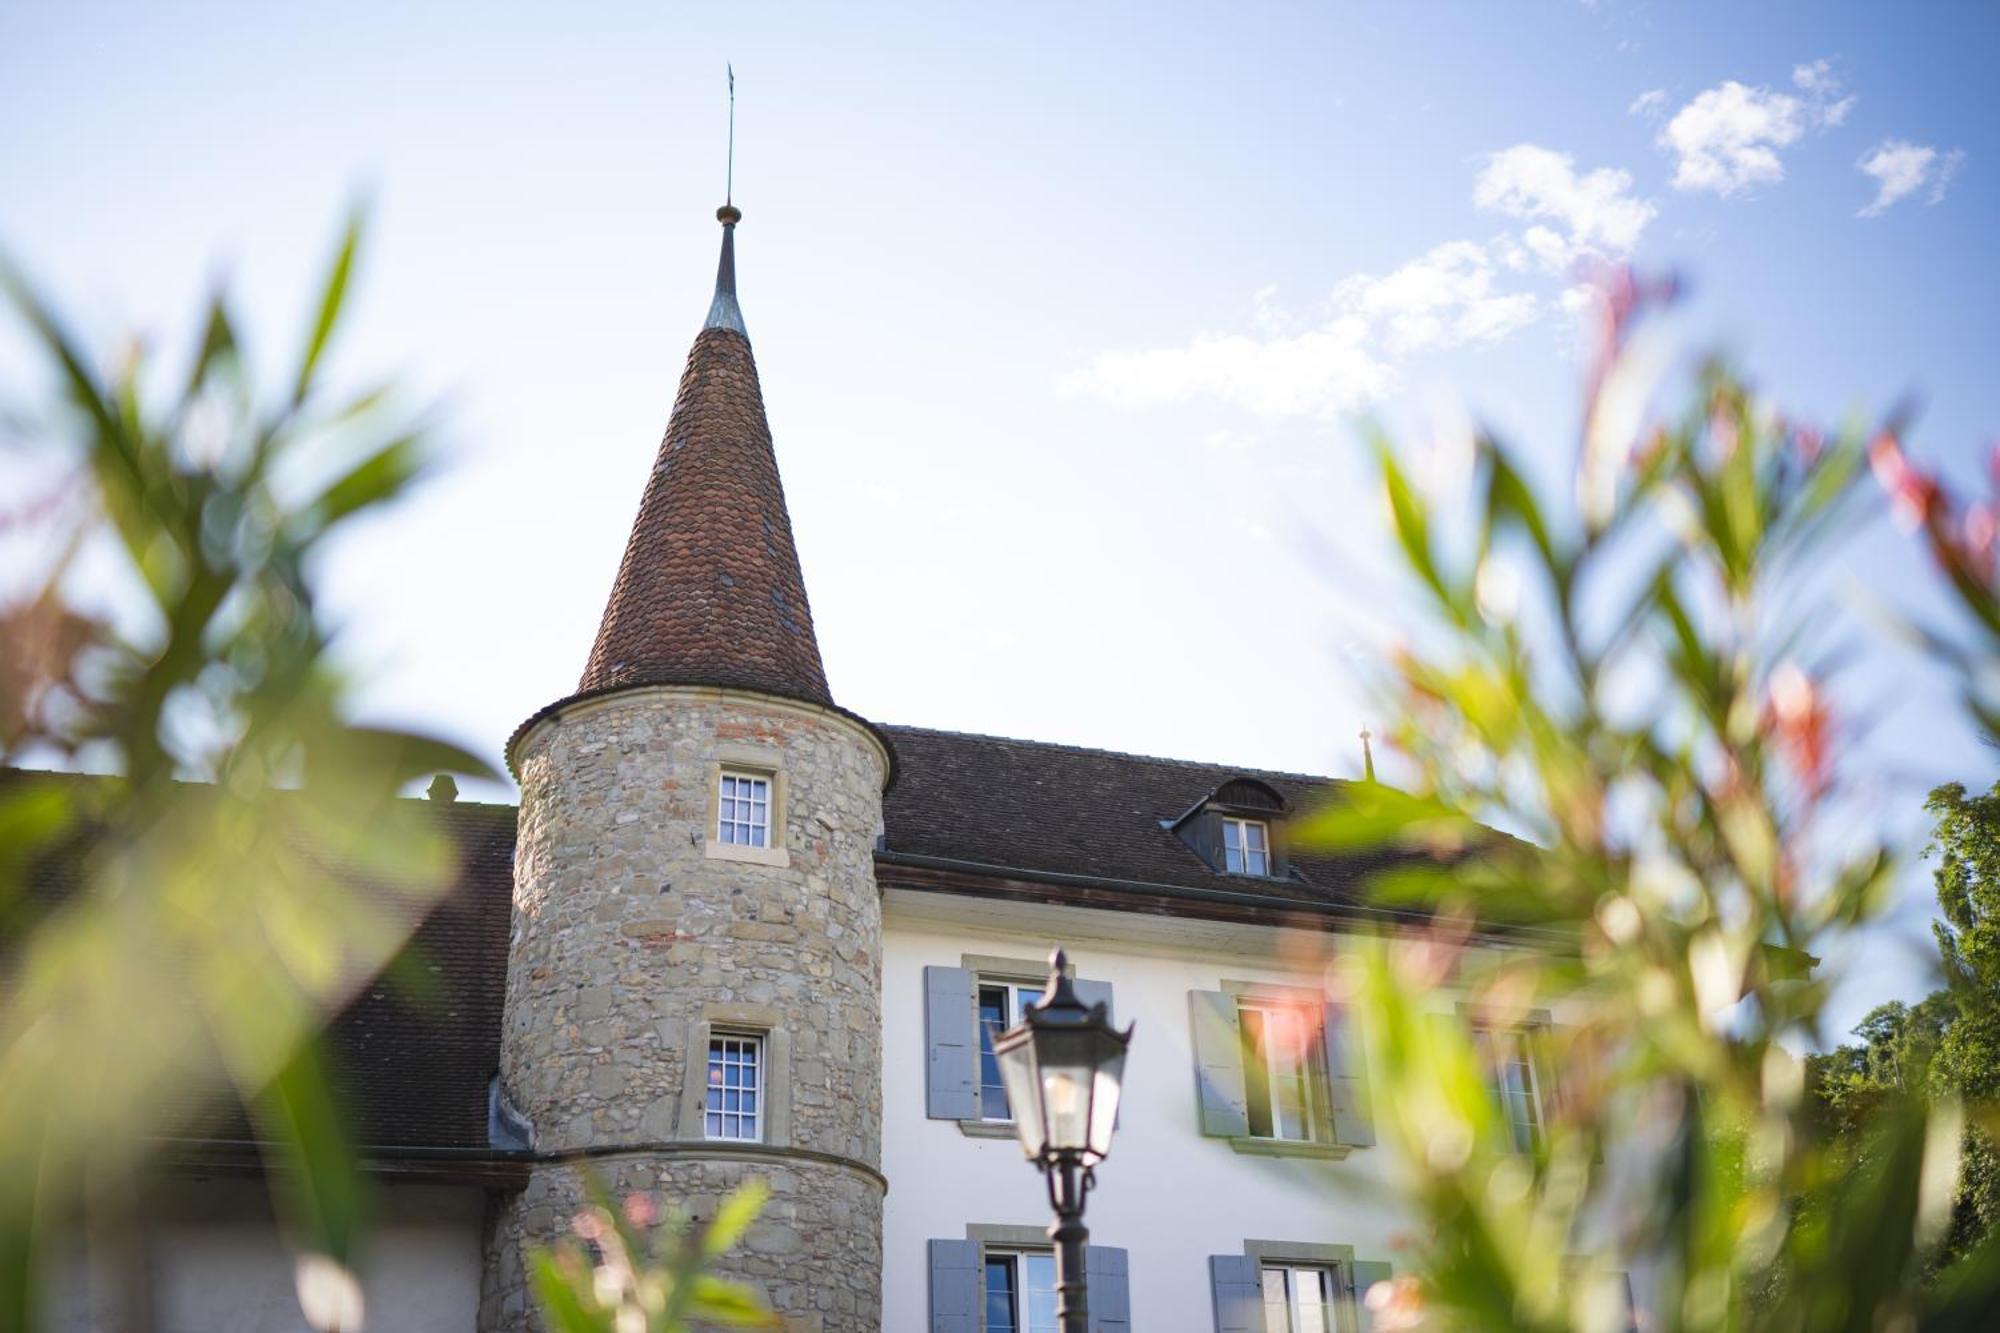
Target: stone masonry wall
[(626, 932)]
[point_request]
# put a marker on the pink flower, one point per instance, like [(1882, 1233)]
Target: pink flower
[(1802, 724), (640, 1210), (1914, 495)]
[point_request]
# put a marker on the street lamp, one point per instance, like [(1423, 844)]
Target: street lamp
[(1061, 1066)]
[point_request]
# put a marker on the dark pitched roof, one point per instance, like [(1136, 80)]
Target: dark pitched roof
[(709, 591), (1030, 808), (414, 1053)]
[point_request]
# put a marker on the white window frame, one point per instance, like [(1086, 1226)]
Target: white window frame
[(980, 986), (1501, 1049), (1312, 1072), (717, 1121), (1241, 826), (1333, 1282), (1016, 1257), (746, 831)]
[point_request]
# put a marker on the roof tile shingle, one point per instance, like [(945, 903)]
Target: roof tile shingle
[(709, 591)]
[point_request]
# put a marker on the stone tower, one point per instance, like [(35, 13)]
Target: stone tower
[(694, 977)]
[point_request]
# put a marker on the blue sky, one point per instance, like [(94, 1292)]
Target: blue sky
[(1061, 311)]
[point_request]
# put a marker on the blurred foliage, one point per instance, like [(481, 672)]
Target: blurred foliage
[(176, 930), (1946, 1047), (631, 1269), (1639, 684)]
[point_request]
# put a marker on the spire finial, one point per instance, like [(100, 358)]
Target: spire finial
[(1367, 754), (723, 312)]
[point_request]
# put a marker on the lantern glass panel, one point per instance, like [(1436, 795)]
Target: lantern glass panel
[(1104, 1103), (1024, 1093)]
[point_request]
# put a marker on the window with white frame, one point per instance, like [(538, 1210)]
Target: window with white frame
[(734, 1108), (1246, 846), (1508, 1055), (1001, 1004), (1300, 1298), (1020, 1292), (743, 810), (1283, 1081)]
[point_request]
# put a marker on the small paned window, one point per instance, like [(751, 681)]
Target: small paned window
[(1020, 1292), (734, 1105), (1299, 1298), (1509, 1057), (743, 815), (1246, 846), (1281, 1072), (1001, 1004)]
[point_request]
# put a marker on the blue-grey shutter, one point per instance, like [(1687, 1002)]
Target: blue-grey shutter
[(1093, 992), (1238, 1290), (1347, 1081), (951, 1021), (1107, 1288), (954, 1286), (1366, 1274), (1218, 1064)]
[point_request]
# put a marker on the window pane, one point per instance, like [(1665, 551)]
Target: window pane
[(1253, 837), (730, 1101), (992, 1022), (1290, 1069), (1277, 1302), (1000, 1296), (1315, 1297), (1256, 1073), (1038, 1283)]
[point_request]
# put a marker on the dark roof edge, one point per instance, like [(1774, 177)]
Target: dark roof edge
[(419, 1165), (1234, 770), (880, 736), (1240, 899)]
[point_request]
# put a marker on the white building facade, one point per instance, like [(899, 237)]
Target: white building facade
[(734, 930)]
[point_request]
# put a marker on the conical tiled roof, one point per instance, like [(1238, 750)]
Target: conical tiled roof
[(709, 591)]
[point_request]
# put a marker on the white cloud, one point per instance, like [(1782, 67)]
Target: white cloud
[(1442, 299), (1455, 294), (1900, 168), (1535, 184), (1325, 370), (1445, 298), (1648, 104), (1727, 138)]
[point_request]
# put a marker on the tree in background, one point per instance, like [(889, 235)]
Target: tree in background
[(1946, 1047), (1638, 679)]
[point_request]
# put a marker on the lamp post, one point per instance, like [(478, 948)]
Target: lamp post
[(1062, 1066)]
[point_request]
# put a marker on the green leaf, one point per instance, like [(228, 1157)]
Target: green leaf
[(562, 1306), (379, 477), (734, 1217), (320, 1190), (332, 297), (731, 1304)]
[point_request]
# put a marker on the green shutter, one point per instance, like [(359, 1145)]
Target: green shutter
[(951, 1041), (1107, 1289), (1347, 1081), (954, 1286), (1237, 1290), (1366, 1274), (1218, 1064)]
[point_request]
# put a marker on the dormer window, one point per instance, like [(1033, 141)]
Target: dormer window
[(1236, 829), (1246, 846)]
